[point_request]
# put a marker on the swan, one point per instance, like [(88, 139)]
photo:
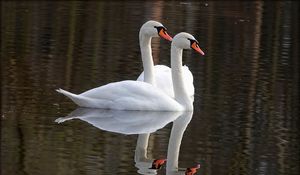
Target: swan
[(159, 75), (137, 95)]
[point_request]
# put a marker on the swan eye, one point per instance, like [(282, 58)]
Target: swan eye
[(160, 28), (162, 32), (195, 42)]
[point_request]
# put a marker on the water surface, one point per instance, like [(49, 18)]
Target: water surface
[(246, 115)]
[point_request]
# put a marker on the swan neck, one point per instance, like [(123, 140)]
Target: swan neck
[(178, 128), (141, 147), (146, 52), (180, 91)]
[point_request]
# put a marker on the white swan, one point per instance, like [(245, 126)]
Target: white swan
[(136, 95), (159, 75)]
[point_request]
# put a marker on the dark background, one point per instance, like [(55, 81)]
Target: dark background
[(246, 115)]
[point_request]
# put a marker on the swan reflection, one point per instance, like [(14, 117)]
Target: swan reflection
[(143, 163), (142, 123), (178, 128), (124, 122)]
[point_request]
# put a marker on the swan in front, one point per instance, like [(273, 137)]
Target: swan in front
[(137, 95), (159, 75)]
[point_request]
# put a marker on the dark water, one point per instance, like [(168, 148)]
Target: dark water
[(246, 115)]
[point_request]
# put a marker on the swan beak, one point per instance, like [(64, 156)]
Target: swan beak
[(192, 170), (196, 47), (163, 33)]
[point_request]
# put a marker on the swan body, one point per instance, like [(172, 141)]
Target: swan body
[(125, 95), (159, 75), (163, 80), (137, 95)]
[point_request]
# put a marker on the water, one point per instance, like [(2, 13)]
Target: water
[(246, 115)]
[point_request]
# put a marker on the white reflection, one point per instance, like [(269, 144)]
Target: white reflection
[(142, 123), (143, 163), (178, 128), (124, 122)]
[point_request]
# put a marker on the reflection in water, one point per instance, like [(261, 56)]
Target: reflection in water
[(142, 123), (178, 128), (124, 122), (143, 163), (246, 118), (134, 122)]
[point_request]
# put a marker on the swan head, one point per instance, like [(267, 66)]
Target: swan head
[(155, 29), (186, 41)]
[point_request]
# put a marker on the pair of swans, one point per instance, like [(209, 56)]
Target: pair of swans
[(158, 88)]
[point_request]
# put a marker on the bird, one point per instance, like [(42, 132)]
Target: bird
[(159, 75), (137, 95)]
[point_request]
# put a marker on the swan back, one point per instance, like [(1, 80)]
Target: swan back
[(125, 95)]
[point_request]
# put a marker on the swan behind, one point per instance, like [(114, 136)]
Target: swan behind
[(163, 79)]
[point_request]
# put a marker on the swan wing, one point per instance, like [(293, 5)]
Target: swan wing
[(163, 79), (125, 95), (189, 81)]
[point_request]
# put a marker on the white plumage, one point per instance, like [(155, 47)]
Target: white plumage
[(137, 95)]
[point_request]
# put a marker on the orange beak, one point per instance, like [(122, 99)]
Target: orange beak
[(192, 170), (157, 164), (162, 33), (196, 47)]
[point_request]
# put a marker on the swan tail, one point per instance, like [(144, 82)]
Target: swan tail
[(68, 94), (80, 100), (62, 119)]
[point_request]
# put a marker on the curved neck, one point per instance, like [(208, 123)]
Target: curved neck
[(178, 128), (141, 160), (141, 148), (146, 51), (180, 92)]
